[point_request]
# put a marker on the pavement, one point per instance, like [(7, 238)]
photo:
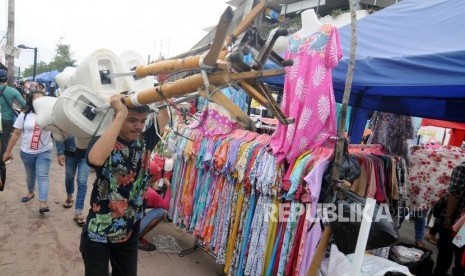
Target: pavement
[(33, 244)]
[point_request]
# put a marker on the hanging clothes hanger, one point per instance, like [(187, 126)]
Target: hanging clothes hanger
[(370, 148)]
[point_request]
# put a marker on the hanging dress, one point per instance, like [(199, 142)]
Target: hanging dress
[(308, 93)]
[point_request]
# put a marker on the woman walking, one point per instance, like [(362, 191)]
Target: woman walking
[(36, 151)]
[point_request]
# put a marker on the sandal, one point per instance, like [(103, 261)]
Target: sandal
[(420, 244), (43, 210), (145, 245), (431, 239), (80, 221), (27, 198), (68, 203)]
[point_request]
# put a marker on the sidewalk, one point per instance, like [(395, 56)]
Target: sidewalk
[(32, 244)]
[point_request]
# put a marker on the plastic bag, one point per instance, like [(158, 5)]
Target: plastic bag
[(340, 264), (345, 232)]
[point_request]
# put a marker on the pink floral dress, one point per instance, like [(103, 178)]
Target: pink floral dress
[(308, 93)]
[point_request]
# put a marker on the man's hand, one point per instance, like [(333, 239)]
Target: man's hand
[(61, 160), (116, 102), (167, 183), (447, 223)]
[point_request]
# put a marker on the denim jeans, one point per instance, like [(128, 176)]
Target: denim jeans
[(419, 219), (37, 166), (151, 216), (73, 164)]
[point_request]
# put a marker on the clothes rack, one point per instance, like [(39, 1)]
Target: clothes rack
[(197, 244)]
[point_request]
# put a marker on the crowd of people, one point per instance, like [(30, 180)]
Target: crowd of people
[(24, 87), (114, 228)]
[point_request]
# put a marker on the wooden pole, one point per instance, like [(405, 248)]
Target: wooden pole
[(10, 40), (338, 155)]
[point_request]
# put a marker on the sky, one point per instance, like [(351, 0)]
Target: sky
[(149, 27)]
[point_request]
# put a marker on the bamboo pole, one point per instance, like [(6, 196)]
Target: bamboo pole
[(320, 250), (191, 84)]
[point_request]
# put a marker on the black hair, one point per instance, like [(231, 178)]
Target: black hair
[(28, 107), (138, 109)]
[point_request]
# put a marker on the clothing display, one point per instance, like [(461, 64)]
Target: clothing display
[(228, 191), (383, 176), (393, 131), (430, 173), (308, 93)]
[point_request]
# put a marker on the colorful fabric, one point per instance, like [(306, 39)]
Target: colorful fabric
[(213, 121), (308, 93), (430, 173), (117, 196)]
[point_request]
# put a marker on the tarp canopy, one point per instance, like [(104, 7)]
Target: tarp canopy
[(410, 60), (47, 77)]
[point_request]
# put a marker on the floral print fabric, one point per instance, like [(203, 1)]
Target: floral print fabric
[(308, 93), (393, 132), (430, 173)]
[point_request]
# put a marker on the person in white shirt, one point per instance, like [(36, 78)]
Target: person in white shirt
[(36, 151)]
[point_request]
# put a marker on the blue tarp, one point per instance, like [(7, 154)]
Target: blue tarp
[(410, 59), (47, 77)]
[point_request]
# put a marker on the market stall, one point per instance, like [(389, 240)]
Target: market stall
[(408, 62)]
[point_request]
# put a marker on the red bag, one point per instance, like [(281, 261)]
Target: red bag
[(156, 166)]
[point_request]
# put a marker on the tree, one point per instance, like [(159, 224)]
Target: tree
[(61, 60), (62, 57)]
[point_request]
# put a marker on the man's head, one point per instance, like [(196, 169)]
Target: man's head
[(41, 86), (3, 76), (134, 123)]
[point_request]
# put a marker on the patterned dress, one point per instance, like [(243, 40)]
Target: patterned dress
[(308, 93)]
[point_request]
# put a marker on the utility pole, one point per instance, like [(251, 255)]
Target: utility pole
[(10, 42)]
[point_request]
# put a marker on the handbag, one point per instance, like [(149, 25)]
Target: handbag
[(345, 233), (349, 170), (2, 175)]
